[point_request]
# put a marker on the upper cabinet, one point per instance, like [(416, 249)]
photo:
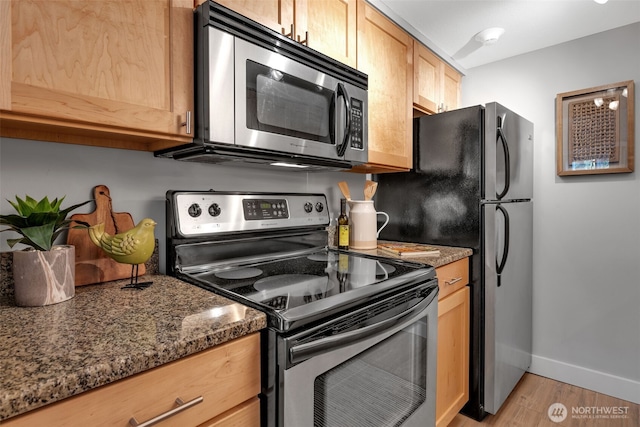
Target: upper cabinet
[(436, 86), (451, 87), (275, 14), (109, 73), (328, 26), (385, 53)]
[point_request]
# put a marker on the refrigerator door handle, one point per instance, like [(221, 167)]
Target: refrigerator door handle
[(505, 251), (507, 160)]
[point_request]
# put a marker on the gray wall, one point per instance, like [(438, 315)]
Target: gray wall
[(586, 318), (138, 181)]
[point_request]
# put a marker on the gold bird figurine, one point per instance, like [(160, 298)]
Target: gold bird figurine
[(130, 247)]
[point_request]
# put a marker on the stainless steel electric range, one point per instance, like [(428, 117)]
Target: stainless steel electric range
[(351, 338)]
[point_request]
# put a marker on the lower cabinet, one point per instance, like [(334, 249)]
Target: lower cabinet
[(219, 387), (452, 390)]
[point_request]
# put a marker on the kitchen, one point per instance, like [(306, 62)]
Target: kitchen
[(595, 348)]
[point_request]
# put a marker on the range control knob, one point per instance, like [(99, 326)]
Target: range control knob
[(319, 207), (308, 207), (195, 210), (214, 209)]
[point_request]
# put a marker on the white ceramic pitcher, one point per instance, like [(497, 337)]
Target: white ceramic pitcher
[(363, 226)]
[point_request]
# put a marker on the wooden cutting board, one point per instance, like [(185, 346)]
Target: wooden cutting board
[(92, 264)]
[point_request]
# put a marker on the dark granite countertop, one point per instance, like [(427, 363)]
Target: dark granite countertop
[(105, 333), (448, 254)]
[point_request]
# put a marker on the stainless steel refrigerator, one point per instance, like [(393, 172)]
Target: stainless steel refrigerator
[(472, 186)]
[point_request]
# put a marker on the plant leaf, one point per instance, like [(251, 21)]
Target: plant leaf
[(41, 218), (63, 213), (43, 205), (55, 205), (14, 221), (40, 236), (13, 242), (24, 207), (15, 205)]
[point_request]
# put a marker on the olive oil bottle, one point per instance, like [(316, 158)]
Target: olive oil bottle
[(343, 226)]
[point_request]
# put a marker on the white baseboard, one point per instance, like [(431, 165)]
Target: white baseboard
[(600, 382)]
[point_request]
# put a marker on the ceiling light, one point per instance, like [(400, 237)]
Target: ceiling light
[(489, 36), (601, 1)]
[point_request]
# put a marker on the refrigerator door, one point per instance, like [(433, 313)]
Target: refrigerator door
[(429, 209), (508, 297), (437, 203), (508, 154), (449, 144)]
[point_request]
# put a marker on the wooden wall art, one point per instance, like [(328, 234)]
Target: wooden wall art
[(595, 130)]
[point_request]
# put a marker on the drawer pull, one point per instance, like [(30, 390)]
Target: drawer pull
[(181, 407), (453, 281), (187, 123)]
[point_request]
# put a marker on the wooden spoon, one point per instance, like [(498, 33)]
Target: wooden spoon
[(370, 189), (344, 187)]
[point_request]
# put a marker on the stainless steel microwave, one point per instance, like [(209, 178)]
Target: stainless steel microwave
[(263, 98)]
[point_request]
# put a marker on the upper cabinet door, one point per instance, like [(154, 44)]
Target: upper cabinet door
[(328, 26), (83, 70), (385, 53), (436, 86), (427, 78), (275, 14), (451, 82)]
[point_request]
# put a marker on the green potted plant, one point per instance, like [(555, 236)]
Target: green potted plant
[(43, 273)]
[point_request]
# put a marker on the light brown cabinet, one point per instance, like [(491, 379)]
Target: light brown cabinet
[(452, 388), (226, 378), (108, 73), (436, 86), (328, 26), (385, 53)]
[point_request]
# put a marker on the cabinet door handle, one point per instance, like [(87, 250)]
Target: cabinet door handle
[(453, 281), (187, 123), (306, 38), (155, 420), (290, 35)]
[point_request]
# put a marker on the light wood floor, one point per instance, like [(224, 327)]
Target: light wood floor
[(528, 404)]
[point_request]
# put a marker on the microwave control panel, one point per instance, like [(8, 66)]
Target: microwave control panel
[(356, 124)]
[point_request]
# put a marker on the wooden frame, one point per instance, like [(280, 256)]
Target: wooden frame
[(595, 130)]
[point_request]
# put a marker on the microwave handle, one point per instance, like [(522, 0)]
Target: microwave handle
[(341, 90)]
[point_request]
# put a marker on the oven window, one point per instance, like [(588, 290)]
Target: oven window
[(381, 386), (284, 104)]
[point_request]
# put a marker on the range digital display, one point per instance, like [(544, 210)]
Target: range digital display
[(258, 209)]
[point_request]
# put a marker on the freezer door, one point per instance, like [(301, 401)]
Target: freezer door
[(508, 155), (508, 298)]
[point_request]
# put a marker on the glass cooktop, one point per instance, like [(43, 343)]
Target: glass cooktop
[(302, 285)]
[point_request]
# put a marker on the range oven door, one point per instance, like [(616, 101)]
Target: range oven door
[(379, 371), (286, 106)]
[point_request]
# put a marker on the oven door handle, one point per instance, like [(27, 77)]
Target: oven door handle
[(306, 351)]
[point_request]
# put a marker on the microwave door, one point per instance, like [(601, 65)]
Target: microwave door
[(283, 105)]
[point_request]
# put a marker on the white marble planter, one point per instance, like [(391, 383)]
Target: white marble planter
[(44, 277)]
